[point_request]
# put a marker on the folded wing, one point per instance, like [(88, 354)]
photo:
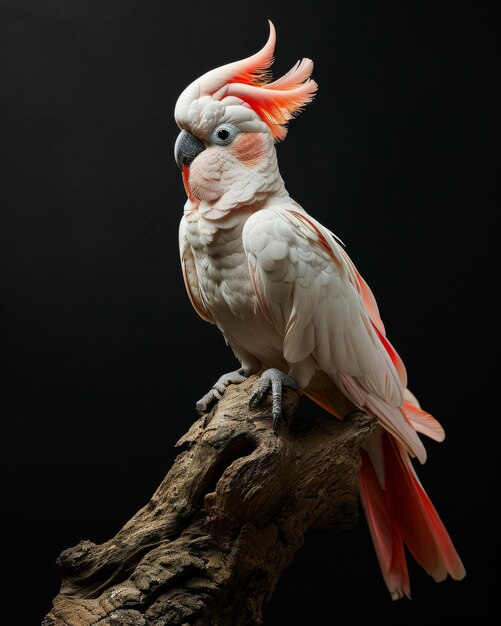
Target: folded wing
[(308, 288)]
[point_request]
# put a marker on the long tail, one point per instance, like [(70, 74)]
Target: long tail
[(399, 512)]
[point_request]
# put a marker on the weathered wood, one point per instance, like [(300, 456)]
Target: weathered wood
[(227, 519)]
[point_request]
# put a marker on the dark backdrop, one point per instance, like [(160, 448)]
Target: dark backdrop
[(105, 357)]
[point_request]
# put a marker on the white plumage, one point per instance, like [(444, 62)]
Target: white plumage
[(289, 300)]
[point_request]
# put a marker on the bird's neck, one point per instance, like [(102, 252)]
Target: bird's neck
[(210, 227), (222, 210)]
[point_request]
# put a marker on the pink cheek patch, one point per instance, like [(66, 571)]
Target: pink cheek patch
[(248, 148)]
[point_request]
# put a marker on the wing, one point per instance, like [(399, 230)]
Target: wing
[(190, 275), (308, 288)]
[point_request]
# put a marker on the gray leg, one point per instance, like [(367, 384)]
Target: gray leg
[(218, 389), (276, 380)]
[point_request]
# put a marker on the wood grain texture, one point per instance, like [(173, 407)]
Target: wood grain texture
[(210, 545)]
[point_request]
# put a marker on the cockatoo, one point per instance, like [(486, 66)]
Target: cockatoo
[(290, 302)]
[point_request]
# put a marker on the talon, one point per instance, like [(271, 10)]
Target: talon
[(262, 386), (277, 380), (203, 404), (218, 389)]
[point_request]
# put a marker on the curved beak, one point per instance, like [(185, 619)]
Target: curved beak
[(187, 148)]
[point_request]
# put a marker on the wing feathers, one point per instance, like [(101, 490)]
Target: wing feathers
[(329, 315), (422, 421), (332, 315)]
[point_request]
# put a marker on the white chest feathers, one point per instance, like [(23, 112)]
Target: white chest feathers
[(222, 268)]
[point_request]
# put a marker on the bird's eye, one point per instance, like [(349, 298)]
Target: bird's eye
[(224, 134)]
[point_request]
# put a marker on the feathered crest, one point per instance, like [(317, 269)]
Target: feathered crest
[(276, 102)]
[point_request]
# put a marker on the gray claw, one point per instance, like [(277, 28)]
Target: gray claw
[(218, 389), (276, 380)]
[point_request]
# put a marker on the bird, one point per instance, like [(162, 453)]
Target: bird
[(290, 302)]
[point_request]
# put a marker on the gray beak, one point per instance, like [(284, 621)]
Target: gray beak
[(187, 148)]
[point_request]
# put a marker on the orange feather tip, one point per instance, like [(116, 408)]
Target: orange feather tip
[(274, 102), (256, 69), (275, 106)]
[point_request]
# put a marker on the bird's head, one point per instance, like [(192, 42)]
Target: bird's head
[(230, 119)]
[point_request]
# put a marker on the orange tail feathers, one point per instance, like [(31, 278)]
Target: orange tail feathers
[(401, 512)]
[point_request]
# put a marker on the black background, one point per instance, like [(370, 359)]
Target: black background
[(105, 357)]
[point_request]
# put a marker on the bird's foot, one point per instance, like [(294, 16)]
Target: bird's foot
[(218, 389), (276, 380)]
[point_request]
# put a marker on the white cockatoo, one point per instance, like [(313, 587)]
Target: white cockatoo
[(290, 302)]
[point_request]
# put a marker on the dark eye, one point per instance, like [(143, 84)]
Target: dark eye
[(224, 134)]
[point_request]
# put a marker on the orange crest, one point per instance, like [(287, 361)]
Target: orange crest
[(250, 80)]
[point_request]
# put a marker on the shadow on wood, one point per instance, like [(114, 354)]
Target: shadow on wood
[(227, 519)]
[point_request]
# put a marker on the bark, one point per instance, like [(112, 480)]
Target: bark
[(210, 545)]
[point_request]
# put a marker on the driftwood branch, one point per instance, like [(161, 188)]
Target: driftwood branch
[(227, 519)]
